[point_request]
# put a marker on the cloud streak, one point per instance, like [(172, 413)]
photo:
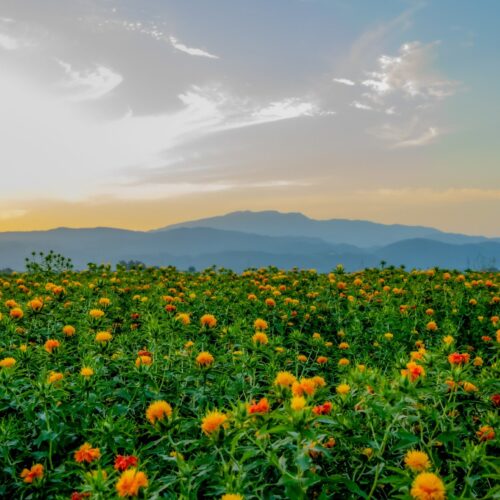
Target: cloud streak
[(190, 50)]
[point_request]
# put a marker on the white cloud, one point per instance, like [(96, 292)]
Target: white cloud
[(285, 109), (426, 137), (90, 85), (360, 105), (8, 42), (190, 50), (344, 81), (409, 73)]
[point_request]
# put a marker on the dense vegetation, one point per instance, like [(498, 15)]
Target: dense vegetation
[(265, 384)]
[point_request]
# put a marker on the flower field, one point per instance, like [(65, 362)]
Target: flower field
[(267, 384)]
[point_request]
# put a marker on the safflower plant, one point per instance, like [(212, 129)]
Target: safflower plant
[(156, 383)]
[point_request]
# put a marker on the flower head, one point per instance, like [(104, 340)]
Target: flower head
[(29, 475), (417, 461), (458, 359), (123, 462), (485, 433), (260, 338), (208, 320), (428, 486), (103, 337), (86, 372), (343, 389), (51, 344), (284, 379), (204, 359), (130, 482), (86, 453), (260, 324), (212, 421), (261, 407), (158, 410), (7, 362)]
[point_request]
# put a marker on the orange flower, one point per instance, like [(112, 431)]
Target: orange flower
[(103, 337), (260, 338), (158, 410), (213, 421), (86, 453), (204, 359), (143, 360), (428, 486), (54, 377), (29, 475), (485, 433), (86, 372), (208, 320), (16, 313), (261, 407), (260, 324), (51, 344), (270, 302), (458, 359), (124, 462), (305, 386), (130, 481), (69, 330), (183, 318), (413, 371), (7, 362), (298, 403), (343, 346), (231, 496), (35, 305), (322, 360), (417, 461), (432, 326)]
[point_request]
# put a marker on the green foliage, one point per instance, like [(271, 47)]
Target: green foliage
[(354, 450)]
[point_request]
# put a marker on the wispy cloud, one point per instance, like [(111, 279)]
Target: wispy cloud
[(360, 105), (344, 81), (404, 135), (409, 73), (190, 50), (91, 84)]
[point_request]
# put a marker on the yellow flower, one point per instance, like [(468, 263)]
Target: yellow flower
[(86, 372), (302, 358), (212, 422), (417, 461), (158, 410), (478, 361), (204, 359), (130, 481), (231, 496), (104, 301), (260, 338), (343, 389), (298, 403), (448, 340), (103, 337), (143, 360), (343, 362), (428, 486), (96, 313), (284, 379), (7, 362), (343, 346), (388, 336)]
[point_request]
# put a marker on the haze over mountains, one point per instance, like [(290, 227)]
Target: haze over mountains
[(241, 240)]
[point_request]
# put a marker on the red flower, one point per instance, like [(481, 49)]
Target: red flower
[(495, 399), (79, 496), (458, 359), (123, 462), (323, 409)]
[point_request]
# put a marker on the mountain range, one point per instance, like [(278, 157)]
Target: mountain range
[(246, 239)]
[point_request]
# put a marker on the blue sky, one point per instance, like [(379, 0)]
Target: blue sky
[(142, 113)]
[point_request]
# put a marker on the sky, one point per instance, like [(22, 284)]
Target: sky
[(142, 113)]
